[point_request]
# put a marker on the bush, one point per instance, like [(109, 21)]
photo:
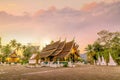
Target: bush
[(15, 62), (65, 64), (80, 59), (24, 62), (118, 60)]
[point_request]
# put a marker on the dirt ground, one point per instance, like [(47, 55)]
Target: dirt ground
[(83, 72)]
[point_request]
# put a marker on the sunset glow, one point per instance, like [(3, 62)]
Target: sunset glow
[(41, 21)]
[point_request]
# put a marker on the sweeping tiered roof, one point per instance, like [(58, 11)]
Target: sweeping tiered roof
[(49, 49), (13, 55), (66, 50), (57, 49), (51, 46), (34, 56)]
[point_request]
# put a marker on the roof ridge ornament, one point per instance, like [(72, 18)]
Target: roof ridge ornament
[(74, 38), (60, 39), (65, 39)]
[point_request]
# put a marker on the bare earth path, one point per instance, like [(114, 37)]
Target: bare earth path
[(83, 72)]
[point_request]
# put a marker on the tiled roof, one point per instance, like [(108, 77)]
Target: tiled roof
[(51, 46), (33, 56), (66, 49), (61, 55), (68, 46), (59, 49), (49, 49), (13, 55), (46, 53)]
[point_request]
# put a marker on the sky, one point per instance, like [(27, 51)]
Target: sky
[(40, 21)]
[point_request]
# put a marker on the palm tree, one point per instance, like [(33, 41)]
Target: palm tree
[(13, 43), (23, 47), (19, 50), (18, 46), (89, 48), (90, 53)]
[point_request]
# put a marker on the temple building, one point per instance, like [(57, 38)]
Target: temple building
[(13, 58), (34, 59), (63, 51)]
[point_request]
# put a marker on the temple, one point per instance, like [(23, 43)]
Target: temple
[(60, 50), (13, 58), (34, 59)]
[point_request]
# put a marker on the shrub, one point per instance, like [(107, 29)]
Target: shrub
[(65, 64), (118, 60)]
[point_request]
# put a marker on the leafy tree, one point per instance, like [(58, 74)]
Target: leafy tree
[(6, 50), (13, 43), (90, 53), (107, 42), (18, 46), (0, 44), (1, 58), (27, 52)]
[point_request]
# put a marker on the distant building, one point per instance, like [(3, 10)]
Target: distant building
[(63, 51), (34, 59), (13, 58)]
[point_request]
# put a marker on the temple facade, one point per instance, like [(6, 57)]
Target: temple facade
[(13, 58), (34, 59), (60, 50)]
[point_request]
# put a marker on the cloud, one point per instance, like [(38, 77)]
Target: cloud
[(6, 18), (70, 19), (39, 12), (89, 6), (67, 22)]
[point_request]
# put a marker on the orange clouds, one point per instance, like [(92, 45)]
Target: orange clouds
[(42, 11), (39, 12), (89, 6), (52, 8)]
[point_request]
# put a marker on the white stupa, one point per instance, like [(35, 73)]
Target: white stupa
[(111, 61), (103, 61), (99, 61)]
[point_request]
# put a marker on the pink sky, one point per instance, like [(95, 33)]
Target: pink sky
[(40, 21)]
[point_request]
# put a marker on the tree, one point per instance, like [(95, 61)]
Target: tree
[(27, 53), (90, 53), (89, 48), (104, 38), (0, 55), (13, 43), (0, 44), (1, 58), (18, 45), (6, 50), (107, 42)]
